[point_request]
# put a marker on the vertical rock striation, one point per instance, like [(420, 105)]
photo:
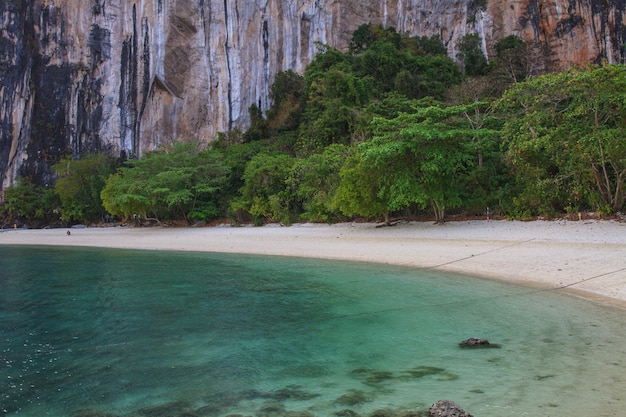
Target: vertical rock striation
[(122, 76)]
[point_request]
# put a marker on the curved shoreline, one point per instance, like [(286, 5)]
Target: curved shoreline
[(585, 258)]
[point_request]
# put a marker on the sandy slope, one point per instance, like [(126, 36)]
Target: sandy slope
[(586, 257)]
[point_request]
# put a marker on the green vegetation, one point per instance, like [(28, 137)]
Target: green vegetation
[(425, 157), (393, 127), (79, 185), (26, 202), (178, 182), (566, 142)]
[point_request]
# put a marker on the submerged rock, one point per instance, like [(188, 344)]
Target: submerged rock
[(422, 371), (395, 413), (166, 410), (277, 409), (473, 342), (447, 408), (347, 413), (91, 413), (353, 398)]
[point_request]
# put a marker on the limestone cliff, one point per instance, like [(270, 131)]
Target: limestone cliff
[(121, 76)]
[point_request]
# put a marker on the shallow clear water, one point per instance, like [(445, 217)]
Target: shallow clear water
[(89, 331)]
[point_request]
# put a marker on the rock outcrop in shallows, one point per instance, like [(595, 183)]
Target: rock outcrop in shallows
[(447, 408)]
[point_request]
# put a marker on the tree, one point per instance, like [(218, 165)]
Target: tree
[(431, 45), (325, 59), (287, 93), (431, 74), (359, 192), (471, 54), (366, 34), (474, 100), (423, 158), (332, 110), (124, 195), (362, 38), (565, 135), (79, 185), (30, 203), (258, 125), (313, 181), (517, 59), (381, 62), (339, 86), (180, 181), (263, 194)]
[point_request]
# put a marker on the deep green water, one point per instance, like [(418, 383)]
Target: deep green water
[(163, 334)]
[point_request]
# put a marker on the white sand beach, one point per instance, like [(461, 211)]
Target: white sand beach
[(587, 258)]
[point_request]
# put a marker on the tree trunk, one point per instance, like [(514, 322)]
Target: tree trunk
[(386, 222), (440, 210)]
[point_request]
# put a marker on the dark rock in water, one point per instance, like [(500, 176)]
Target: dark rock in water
[(292, 394), (353, 398), (347, 413), (447, 408), (383, 413), (371, 377), (276, 409), (212, 410), (166, 410), (395, 413), (288, 393), (473, 342), (189, 414), (91, 413), (271, 409), (378, 377), (422, 371)]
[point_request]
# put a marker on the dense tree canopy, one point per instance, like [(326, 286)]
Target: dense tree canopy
[(360, 192), (313, 182), (425, 157), (566, 139), (27, 202), (175, 182), (79, 185), (471, 55), (263, 191), (391, 127)]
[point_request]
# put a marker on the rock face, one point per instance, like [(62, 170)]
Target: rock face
[(122, 76)]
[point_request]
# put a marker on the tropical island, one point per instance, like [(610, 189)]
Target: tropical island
[(367, 156), (392, 128), (392, 131)]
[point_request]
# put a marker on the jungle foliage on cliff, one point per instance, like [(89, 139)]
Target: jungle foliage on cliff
[(392, 127)]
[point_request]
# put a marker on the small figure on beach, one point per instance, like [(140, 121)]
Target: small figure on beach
[(69, 233)]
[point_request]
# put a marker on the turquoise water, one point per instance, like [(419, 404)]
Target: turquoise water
[(94, 332)]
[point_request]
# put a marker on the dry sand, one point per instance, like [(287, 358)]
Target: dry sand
[(587, 258)]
